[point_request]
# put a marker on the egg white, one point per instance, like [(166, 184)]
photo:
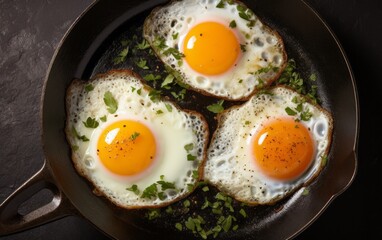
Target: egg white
[(264, 48), (172, 129), (230, 165)]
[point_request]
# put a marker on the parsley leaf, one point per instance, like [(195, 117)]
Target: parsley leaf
[(232, 24), (110, 102), (221, 4), (134, 189), (217, 107), (290, 111), (78, 136), (191, 157), (169, 107), (134, 136), (121, 56), (155, 95), (143, 45), (103, 119), (89, 87), (166, 185), (168, 80), (180, 95), (91, 123), (151, 77), (142, 64), (150, 192), (174, 52), (189, 147)]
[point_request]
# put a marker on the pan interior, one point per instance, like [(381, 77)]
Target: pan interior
[(321, 57)]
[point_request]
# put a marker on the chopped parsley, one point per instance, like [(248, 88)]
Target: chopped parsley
[(103, 118), (244, 12), (174, 52), (79, 136), (134, 189), (180, 95), (232, 24), (143, 45), (189, 147), (155, 95), (221, 4), (304, 113), (168, 107), (134, 136), (141, 63), (217, 107), (89, 87), (191, 157), (293, 79), (91, 123), (111, 103), (152, 77), (150, 192), (121, 56), (167, 81)]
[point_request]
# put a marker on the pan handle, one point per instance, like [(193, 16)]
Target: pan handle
[(11, 221)]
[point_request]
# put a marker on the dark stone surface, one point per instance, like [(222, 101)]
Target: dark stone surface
[(30, 32)]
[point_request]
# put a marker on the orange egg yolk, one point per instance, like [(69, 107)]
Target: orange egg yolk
[(283, 149), (211, 48), (126, 147)]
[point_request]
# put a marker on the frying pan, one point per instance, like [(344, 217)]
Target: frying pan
[(307, 39)]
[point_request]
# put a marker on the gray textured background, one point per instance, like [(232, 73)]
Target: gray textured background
[(30, 31)]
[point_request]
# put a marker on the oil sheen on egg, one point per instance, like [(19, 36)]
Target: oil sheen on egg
[(137, 150), (218, 48), (268, 147)]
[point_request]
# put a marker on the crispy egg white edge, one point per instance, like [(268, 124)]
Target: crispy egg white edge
[(212, 176), (251, 81), (74, 91)]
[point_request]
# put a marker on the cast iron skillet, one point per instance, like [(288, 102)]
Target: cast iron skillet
[(308, 40)]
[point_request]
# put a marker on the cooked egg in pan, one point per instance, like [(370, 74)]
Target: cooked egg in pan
[(137, 149), (219, 48)]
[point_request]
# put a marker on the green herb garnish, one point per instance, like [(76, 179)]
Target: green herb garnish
[(150, 192), (79, 136), (189, 147), (155, 95), (151, 77), (217, 107), (168, 80), (110, 102), (143, 45), (134, 136), (142, 64), (232, 24), (134, 189), (103, 119), (290, 111), (168, 107), (91, 123), (89, 87), (121, 56)]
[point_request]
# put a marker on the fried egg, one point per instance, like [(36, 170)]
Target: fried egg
[(268, 147), (217, 47), (137, 149)]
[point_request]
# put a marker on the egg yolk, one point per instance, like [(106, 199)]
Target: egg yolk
[(211, 48), (126, 147), (283, 149)]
